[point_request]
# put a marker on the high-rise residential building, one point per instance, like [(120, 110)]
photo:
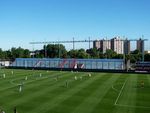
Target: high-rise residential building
[(126, 46), (117, 45), (140, 45), (96, 44), (105, 44)]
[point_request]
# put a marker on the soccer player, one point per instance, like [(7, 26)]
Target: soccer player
[(75, 77), (26, 78), (12, 72), (20, 87), (67, 83), (56, 78), (4, 75), (15, 110), (142, 84), (40, 74), (80, 77), (89, 74), (2, 111)]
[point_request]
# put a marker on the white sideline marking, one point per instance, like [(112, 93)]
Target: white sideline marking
[(130, 106), (120, 92)]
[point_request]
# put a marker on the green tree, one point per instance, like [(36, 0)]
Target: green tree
[(82, 53), (110, 54), (119, 56), (55, 51), (147, 57), (73, 54), (26, 53), (2, 55), (93, 52), (136, 56), (19, 53), (8, 54)]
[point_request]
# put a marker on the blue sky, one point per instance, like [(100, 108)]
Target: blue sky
[(23, 21)]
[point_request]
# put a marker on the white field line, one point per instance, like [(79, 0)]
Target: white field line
[(120, 93), (130, 106), (12, 82), (115, 89)]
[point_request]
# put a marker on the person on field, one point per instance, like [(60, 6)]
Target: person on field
[(20, 87), (75, 77), (80, 77), (4, 75), (40, 74), (2, 111), (142, 84), (15, 110), (89, 74), (67, 83), (12, 72), (26, 78)]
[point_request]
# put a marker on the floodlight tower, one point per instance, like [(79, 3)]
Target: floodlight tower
[(45, 50), (73, 43), (89, 42), (59, 50)]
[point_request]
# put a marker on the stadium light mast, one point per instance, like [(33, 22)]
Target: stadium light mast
[(45, 50), (73, 43), (143, 48), (89, 42), (33, 53), (59, 50)]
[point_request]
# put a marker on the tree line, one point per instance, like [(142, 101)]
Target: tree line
[(59, 51)]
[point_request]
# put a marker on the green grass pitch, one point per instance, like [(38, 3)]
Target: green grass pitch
[(73, 92)]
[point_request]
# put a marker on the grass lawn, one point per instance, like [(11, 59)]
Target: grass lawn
[(73, 92)]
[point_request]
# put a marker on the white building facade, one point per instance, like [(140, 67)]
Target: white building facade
[(117, 45)]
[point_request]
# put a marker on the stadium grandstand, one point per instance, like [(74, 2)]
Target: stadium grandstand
[(49, 63), (142, 67)]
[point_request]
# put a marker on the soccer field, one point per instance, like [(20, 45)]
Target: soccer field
[(36, 91)]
